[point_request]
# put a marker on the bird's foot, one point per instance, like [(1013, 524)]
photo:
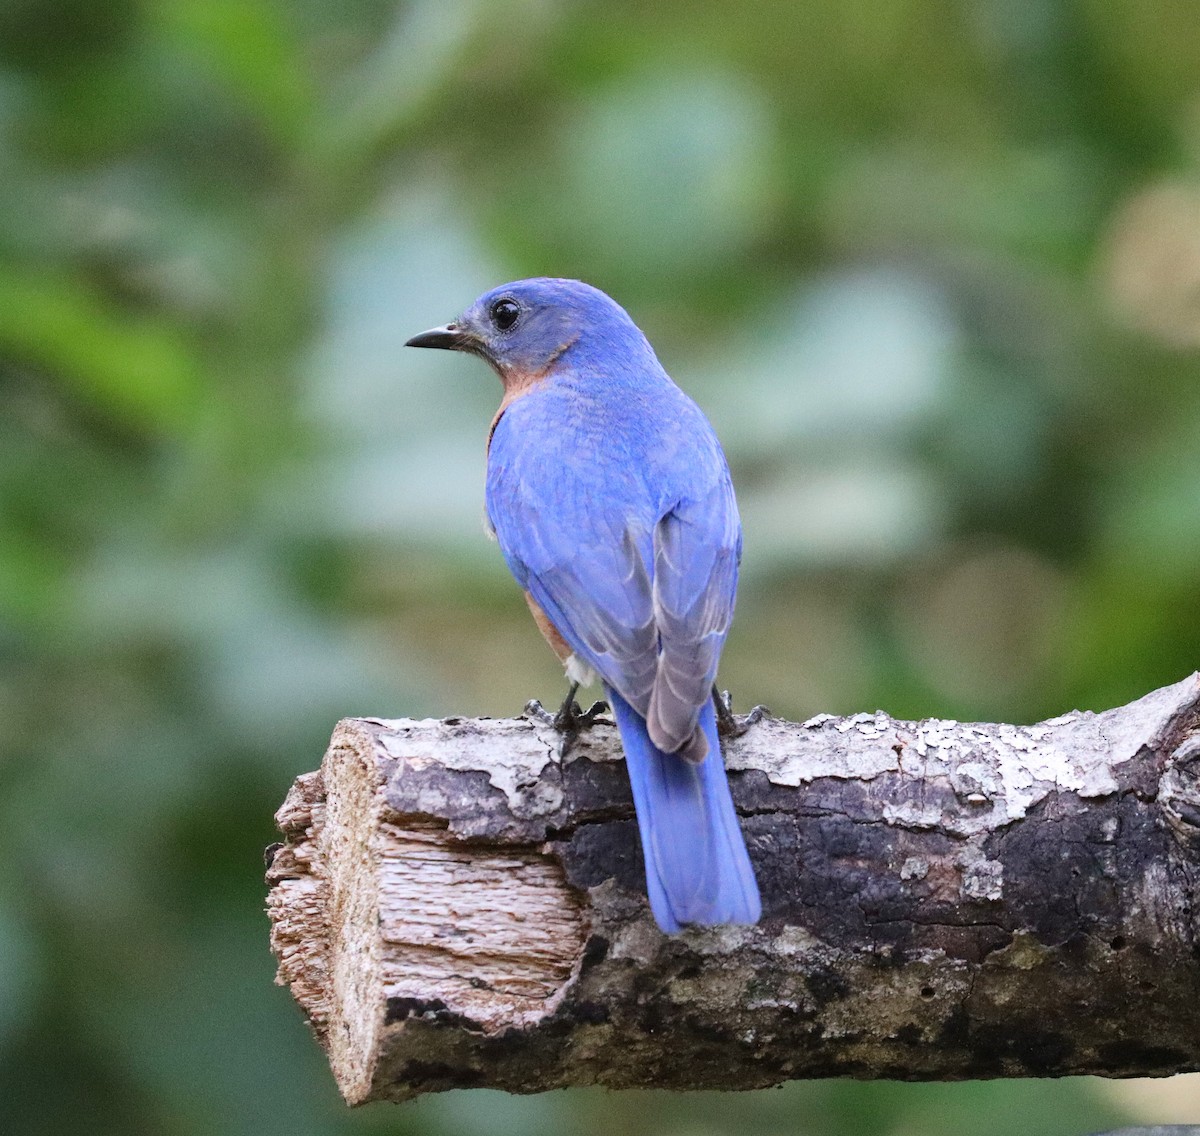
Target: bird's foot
[(729, 724), (570, 719)]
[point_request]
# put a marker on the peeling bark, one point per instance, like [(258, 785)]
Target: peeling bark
[(452, 906)]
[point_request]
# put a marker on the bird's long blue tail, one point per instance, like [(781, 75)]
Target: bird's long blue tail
[(697, 869)]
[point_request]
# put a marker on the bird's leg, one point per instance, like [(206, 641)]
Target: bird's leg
[(729, 725), (570, 718)]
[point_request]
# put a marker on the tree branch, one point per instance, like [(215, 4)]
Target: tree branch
[(452, 906)]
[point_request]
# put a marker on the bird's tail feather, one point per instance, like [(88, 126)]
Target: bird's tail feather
[(697, 869)]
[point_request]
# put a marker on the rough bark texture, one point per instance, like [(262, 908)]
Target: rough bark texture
[(453, 906)]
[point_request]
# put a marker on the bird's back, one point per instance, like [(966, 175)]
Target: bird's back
[(600, 442)]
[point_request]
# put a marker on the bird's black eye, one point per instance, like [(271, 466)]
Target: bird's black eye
[(504, 313)]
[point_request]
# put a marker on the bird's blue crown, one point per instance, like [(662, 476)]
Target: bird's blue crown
[(527, 325)]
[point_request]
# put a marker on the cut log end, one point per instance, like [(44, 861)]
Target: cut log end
[(381, 919)]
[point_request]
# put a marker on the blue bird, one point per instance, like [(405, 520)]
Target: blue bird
[(612, 503)]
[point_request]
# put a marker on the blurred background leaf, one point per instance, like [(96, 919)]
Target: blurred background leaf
[(933, 270)]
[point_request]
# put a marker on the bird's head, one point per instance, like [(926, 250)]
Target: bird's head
[(522, 329)]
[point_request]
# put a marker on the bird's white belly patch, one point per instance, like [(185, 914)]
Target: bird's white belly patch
[(579, 671)]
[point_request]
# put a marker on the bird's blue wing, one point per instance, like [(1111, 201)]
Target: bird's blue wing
[(586, 561)]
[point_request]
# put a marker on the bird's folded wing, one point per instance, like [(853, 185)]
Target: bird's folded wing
[(697, 546), (646, 604), (591, 577)]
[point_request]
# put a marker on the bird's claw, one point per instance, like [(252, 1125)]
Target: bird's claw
[(570, 719), (729, 724), (535, 710)]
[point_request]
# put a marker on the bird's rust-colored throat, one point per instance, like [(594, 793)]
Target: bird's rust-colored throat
[(519, 382)]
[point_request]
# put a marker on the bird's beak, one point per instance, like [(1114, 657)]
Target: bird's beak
[(451, 337)]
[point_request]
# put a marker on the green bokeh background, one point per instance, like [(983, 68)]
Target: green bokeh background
[(933, 269)]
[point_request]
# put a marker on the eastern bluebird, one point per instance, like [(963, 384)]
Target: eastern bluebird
[(612, 502)]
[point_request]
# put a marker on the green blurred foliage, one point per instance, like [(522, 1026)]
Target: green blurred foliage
[(930, 268)]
